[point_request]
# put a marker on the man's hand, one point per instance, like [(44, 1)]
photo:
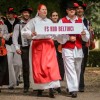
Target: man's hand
[(72, 38), (83, 33), (91, 29), (19, 51), (11, 34)]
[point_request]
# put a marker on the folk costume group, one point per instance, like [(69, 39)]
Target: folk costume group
[(38, 54)]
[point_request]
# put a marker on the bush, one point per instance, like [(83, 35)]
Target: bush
[(94, 58)]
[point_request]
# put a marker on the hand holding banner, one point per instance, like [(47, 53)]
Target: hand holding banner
[(59, 28)]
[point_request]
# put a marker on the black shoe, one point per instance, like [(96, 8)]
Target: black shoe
[(51, 93), (0, 90), (58, 90), (39, 93), (17, 83), (74, 94), (11, 88), (69, 93), (81, 89), (25, 90)]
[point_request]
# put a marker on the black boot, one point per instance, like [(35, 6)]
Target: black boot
[(58, 90), (39, 93), (25, 90), (74, 94), (51, 93)]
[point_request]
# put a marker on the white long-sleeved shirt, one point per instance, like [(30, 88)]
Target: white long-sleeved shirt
[(64, 38), (16, 32), (77, 53), (4, 32)]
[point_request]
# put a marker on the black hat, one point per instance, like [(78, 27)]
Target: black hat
[(80, 3), (10, 10), (71, 5), (25, 8)]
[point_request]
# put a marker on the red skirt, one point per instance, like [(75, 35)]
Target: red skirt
[(44, 61)]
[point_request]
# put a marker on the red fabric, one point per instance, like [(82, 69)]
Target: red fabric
[(78, 42), (1, 22), (44, 62)]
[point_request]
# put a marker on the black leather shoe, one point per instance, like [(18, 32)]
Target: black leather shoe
[(17, 83), (25, 90), (51, 93), (11, 88), (0, 90), (81, 89), (58, 90), (39, 93), (69, 93), (74, 94)]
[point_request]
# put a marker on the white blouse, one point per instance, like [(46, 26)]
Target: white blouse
[(30, 28)]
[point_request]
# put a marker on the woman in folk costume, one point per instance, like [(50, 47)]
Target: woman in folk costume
[(4, 77), (44, 67), (72, 50)]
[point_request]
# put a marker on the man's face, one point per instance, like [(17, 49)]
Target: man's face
[(10, 16), (54, 17), (80, 11), (71, 11), (25, 15)]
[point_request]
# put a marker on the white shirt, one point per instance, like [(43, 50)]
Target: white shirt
[(77, 53), (17, 30)]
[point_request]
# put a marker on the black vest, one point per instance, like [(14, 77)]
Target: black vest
[(10, 29), (85, 21), (19, 37)]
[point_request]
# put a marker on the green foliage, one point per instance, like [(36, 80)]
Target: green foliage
[(51, 5), (92, 12), (94, 58)]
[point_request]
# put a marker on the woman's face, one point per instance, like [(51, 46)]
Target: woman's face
[(42, 12), (54, 17)]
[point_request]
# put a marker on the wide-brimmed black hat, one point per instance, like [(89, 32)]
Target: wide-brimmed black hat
[(71, 5), (10, 10), (25, 8), (80, 3)]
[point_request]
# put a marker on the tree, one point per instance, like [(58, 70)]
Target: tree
[(92, 12)]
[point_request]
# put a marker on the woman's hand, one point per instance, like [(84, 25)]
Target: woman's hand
[(33, 34), (1, 35)]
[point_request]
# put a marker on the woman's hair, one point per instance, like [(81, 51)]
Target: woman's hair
[(39, 6), (53, 12)]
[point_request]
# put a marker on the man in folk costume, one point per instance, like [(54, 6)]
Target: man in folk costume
[(14, 60), (24, 43), (43, 62), (85, 45), (72, 50), (4, 76)]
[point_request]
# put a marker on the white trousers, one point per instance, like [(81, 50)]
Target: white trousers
[(72, 68), (14, 66)]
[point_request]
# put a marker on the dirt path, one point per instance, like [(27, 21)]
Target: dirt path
[(92, 91)]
